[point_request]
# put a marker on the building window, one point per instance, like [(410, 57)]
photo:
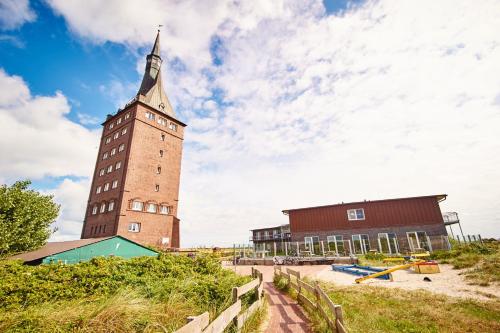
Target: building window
[(106, 187), (127, 115), (134, 227), (116, 135), (356, 214), (103, 207), (118, 165), (151, 208), (124, 131), (119, 121), (158, 170), (111, 206), (137, 205), (150, 115), (161, 153), (105, 156), (121, 147), (111, 126), (110, 168), (162, 137), (162, 121), (108, 140), (113, 151), (157, 188), (173, 126), (361, 243), (164, 209), (94, 210), (115, 184), (98, 190), (101, 172)]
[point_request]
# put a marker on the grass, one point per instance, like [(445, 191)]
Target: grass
[(377, 309), (481, 261), (113, 295)]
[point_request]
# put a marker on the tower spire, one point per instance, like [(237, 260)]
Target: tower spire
[(151, 91)]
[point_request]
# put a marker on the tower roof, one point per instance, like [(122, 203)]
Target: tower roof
[(151, 91)]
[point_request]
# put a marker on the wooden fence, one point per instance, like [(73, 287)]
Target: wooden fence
[(200, 324), (314, 298)]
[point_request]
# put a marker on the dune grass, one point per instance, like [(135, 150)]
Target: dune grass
[(113, 295)]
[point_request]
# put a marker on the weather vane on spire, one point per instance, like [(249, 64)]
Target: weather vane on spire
[(159, 26)]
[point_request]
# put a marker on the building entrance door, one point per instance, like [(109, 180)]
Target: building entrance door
[(388, 243)]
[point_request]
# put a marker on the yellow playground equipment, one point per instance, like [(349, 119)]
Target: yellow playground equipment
[(387, 271)]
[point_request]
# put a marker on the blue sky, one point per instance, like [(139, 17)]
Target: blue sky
[(346, 100)]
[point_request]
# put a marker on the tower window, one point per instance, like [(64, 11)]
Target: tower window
[(101, 172), (158, 171), (115, 184), (173, 127), (103, 207), (161, 153), (121, 147), (127, 115), (137, 205), (113, 151), (162, 137), (151, 208), (105, 156), (111, 206), (106, 187), (98, 190), (134, 227), (150, 115), (157, 187), (118, 165), (94, 210), (111, 125), (110, 168), (164, 209), (116, 135), (162, 121), (119, 121), (124, 131), (108, 140)]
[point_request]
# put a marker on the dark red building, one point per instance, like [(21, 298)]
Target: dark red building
[(388, 226)]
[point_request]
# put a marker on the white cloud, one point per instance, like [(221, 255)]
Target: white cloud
[(389, 99), (37, 138), (14, 13), (86, 119)]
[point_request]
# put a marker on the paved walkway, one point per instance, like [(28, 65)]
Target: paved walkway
[(285, 315)]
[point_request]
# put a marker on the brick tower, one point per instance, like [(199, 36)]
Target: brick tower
[(135, 187)]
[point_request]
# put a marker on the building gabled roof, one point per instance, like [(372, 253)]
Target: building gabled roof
[(52, 248), (439, 198), (275, 227)]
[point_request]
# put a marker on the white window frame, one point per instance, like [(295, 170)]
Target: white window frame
[(106, 187), (119, 121), (162, 121), (127, 115), (150, 115), (134, 227), (98, 189), (109, 168), (116, 135), (173, 126), (114, 184), (139, 207), (105, 155), (164, 209), (111, 206), (108, 140), (111, 125), (101, 172), (118, 165), (94, 210), (124, 131), (103, 207), (113, 152), (121, 147), (151, 207), (355, 218)]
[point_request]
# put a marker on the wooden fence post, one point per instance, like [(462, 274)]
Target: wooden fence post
[(316, 293), (234, 300), (339, 317)]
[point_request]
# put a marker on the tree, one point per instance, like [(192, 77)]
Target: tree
[(25, 218)]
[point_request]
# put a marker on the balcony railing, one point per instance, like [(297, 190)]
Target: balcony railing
[(275, 237)]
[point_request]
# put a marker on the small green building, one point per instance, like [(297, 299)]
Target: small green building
[(71, 252)]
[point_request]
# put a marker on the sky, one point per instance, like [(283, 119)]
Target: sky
[(288, 103)]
